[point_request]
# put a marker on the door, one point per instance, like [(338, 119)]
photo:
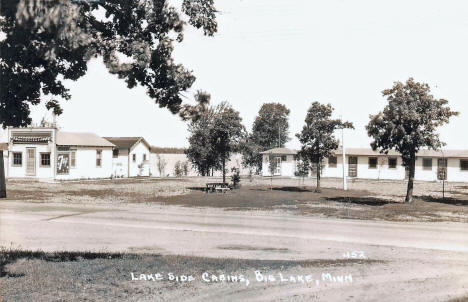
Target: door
[(442, 169), (278, 166), (352, 166), (31, 161)]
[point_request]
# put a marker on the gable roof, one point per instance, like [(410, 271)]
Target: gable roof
[(127, 142), (283, 151), (81, 139)]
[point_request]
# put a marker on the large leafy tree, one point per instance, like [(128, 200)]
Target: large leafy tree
[(408, 123), (270, 130), (200, 151), (226, 133), (46, 42), (317, 136)]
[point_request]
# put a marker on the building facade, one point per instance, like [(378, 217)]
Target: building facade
[(47, 153), (451, 165), (131, 156)]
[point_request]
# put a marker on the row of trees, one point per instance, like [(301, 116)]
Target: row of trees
[(218, 132), (408, 123)]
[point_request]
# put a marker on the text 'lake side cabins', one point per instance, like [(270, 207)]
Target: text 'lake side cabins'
[(47, 153), (451, 165)]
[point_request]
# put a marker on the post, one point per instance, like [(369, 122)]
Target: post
[(2, 176), (444, 175), (345, 185)]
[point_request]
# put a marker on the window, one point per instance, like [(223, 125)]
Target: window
[(17, 158), (134, 157), (144, 157), (73, 159), (45, 159), (283, 157), (392, 163), (115, 153), (464, 164), (372, 162), (98, 158), (427, 163), (332, 162)]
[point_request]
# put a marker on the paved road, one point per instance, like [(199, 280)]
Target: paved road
[(176, 230), (428, 260)]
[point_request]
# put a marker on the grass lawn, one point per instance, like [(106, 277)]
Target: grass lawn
[(80, 276), (365, 199)]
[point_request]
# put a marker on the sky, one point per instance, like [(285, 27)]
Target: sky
[(340, 52)]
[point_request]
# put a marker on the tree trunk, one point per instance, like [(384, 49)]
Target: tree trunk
[(409, 191), (2, 177), (224, 169), (317, 189)]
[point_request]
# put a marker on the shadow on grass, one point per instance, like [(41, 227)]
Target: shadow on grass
[(446, 200), (10, 256), (370, 201), (291, 189), (196, 188)]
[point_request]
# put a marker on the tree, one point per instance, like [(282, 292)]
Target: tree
[(302, 169), (200, 151), (317, 136), (226, 134), (178, 169), (45, 42), (270, 130), (271, 167), (408, 123), (185, 168), (161, 165)]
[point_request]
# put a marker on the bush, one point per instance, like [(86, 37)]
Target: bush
[(235, 177)]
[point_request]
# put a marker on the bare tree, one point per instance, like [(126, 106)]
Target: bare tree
[(161, 165)]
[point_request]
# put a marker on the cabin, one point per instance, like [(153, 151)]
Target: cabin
[(48, 153), (365, 163), (130, 156)]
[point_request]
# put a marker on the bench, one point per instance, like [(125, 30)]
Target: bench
[(217, 187)]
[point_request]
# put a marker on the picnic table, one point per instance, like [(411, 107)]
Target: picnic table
[(217, 187)]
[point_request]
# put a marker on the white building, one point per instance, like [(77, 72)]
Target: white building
[(47, 153), (368, 164), (131, 156), (164, 161)]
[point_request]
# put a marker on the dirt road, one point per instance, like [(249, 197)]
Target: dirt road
[(419, 261)]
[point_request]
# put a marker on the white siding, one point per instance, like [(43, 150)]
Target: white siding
[(86, 164), (171, 159), (120, 164), (454, 173), (20, 171), (139, 167)]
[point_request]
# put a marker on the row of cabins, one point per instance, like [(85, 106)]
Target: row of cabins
[(431, 165), (48, 153)]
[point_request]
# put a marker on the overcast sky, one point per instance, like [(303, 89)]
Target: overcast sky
[(343, 52)]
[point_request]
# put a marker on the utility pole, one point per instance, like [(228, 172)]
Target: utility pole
[(345, 185), (279, 136)]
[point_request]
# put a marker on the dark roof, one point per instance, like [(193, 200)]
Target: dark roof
[(166, 150), (126, 142), (81, 139), (421, 153), (282, 151)]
